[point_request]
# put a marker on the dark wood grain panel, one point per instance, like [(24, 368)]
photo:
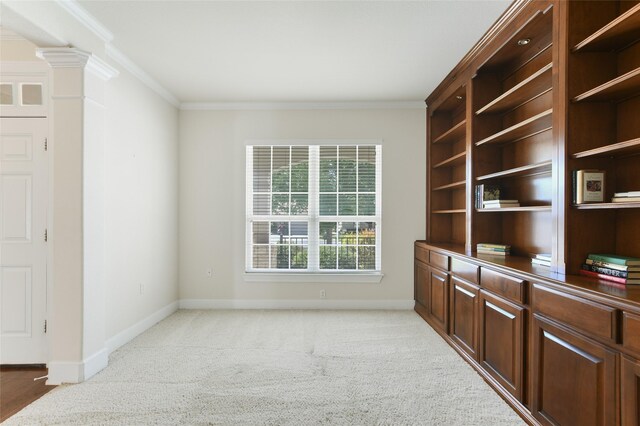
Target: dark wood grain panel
[(503, 285), (631, 331), (464, 315), (630, 391), (439, 260), (465, 270)]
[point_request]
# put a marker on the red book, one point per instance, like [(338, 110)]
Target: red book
[(603, 276)]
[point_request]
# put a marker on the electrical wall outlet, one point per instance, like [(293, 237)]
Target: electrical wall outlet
[(141, 288), (323, 294), (209, 272)]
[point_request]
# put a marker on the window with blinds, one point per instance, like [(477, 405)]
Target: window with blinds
[(313, 208)]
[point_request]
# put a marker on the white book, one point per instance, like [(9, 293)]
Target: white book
[(500, 201), (541, 262), (627, 194), (497, 206)]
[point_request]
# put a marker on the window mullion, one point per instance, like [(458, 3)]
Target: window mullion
[(314, 203)]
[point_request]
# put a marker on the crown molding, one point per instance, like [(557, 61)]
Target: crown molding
[(242, 106), (69, 57), (115, 54), (73, 8)]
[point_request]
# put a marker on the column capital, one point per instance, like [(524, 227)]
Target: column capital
[(70, 57)]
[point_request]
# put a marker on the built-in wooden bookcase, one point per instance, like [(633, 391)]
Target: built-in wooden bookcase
[(512, 138), (604, 125), (447, 154)]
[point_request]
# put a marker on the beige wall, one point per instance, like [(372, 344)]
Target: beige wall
[(212, 198), (141, 202)]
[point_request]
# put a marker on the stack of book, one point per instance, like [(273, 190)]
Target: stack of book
[(626, 197), (543, 259), (500, 204), (611, 267), (486, 192), (495, 249)]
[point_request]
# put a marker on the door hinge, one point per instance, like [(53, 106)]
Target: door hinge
[(45, 326), (46, 236), (46, 144)]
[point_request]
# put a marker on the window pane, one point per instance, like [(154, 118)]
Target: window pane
[(347, 169), (299, 204), (261, 257), (328, 257), (31, 94), (261, 232), (279, 232), (347, 233), (367, 169), (261, 169), (347, 257), (6, 94), (280, 175), (327, 233), (367, 258), (280, 257), (299, 256), (328, 168), (300, 169), (347, 204), (299, 233), (328, 204), (261, 204), (280, 204), (367, 205), (367, 233)]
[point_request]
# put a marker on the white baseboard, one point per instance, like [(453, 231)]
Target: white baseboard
[(75, 372), (399, 304), (130, 333)]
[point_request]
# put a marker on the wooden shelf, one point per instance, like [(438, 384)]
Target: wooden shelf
[(617, 34), (545, 208), (529, 127), (625, 86), (530, 88), (449, 211), (528, 170), (454, 185), (597, 206), (629, 147), (452, 161), (453, 134)]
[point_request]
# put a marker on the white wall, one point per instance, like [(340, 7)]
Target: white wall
[(212, 199), (141, 200)]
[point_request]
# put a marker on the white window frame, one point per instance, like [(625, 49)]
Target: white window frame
[(313, 273)]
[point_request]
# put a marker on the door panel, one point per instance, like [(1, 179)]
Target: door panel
[(23, 220), (630, 396), (438, 298), (464, 309), (502, 341), (574, 378)]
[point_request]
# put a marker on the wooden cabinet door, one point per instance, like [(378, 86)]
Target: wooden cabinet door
[(421, 284), (574, 377), (630, 395), (438, 296), (464, 315), (501, 349)]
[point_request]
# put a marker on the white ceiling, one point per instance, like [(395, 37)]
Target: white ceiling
[(296, 51)]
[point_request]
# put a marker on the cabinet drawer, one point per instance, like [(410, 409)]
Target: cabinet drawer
[(504, 285), (421, 253), (439, 260), (631, 332), (465, 270), (594, 318)]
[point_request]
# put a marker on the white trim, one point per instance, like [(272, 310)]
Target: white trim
[(74, 9), (68, 57), (125, 336), (241, 106), (397, 304), (95, 363), (313, 277), (115, 54), (305, 142), (75, 372)]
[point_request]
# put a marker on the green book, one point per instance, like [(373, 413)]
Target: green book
[(614, 258)]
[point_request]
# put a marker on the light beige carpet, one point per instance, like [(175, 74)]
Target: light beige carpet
[(280, 368)]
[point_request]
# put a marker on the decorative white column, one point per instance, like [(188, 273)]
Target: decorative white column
[(77, 315)]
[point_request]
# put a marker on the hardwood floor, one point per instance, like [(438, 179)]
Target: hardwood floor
[(18, 389)]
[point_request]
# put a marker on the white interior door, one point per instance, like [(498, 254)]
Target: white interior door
[(23, 252)]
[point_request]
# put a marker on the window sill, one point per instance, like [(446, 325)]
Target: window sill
[(314, 277)]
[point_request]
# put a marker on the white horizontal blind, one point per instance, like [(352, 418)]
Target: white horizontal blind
[(313, 208)]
